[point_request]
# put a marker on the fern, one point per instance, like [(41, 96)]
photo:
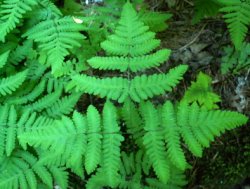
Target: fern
[(12, 11), (130, 47), (58, 138), (93, 151), (24, 172), (117, 88), (9, 84), (201, 92), (153, 141), (237, 16), (235, 61), (111, 145), (55, 38)]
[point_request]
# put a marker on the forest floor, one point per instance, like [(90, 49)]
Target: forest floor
[(227, 161)]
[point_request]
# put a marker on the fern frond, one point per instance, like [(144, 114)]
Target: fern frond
[(12, 11), (4, 58), (93, 151), (56, 37), (46, 101), (9, 84), (63, 106), (172, 136), (112, 88), (21, 52), (133, 121), (31, 96), (134, 64), (111, 145), (22, 170), (235, 61), (186, 130), (199, 126), (140, 88), (144, 87), (153, 141), (64, 138), (237, 16)]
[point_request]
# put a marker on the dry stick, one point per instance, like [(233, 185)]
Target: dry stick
[(196, 37)]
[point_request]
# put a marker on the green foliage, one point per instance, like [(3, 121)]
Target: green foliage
[(237, 16), (22, 170), (235, 12), (235, 61), (130, 50), (55, 38), (130, 144), (204, 8), (201, 92), (68, 141), (12, 12)]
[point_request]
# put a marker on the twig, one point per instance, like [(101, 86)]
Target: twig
[(195, 38)]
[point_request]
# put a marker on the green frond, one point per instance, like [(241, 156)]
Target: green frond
[(237, 17), (113, 88), (12, 11), (130, 63), (93, 151), (31, 96), (235, 61), (144, 87), (63, 106), (134, 123), (186, 130), (140, 88), (63, 137), (56, 37), (3, 58), (9, 84), (60, 176), (153, 141), (46, 101), (21, 52), (129, 50), (201, 92), (111, 145), (172, 136), (199, 126), (22, 170)]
